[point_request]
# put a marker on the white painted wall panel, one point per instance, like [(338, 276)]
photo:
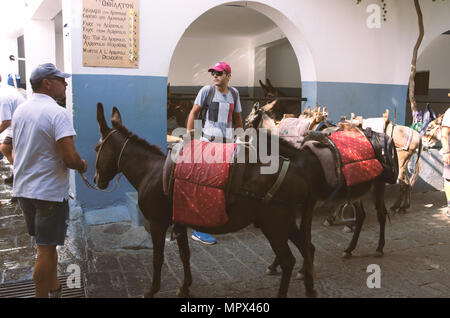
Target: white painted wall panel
[(194, 56), (330, 38)]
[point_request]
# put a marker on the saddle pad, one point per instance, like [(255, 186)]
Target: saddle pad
[(293, 129), (376, 124), (201, 176), (357, 155), (326, 159)]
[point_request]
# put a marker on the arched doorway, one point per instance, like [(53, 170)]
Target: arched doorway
[(250, 37)]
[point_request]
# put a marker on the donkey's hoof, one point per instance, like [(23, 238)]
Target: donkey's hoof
[(183, 293), (327, 223), (148, 294), (347, 229), (271, 272), (379, 254), (346, 255), (300, 276), (312, 294), (393, 210)]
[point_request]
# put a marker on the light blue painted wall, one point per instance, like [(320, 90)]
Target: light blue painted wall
[(367, 100), (141, 101)]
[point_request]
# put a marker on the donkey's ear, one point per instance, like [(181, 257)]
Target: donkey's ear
[(264, 87), (269, 83), (269, 106), (116, 119), (104, 129)]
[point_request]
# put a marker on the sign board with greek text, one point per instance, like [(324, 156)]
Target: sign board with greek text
[(111, 33)]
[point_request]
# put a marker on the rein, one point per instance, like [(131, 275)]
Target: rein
[(92, 186)]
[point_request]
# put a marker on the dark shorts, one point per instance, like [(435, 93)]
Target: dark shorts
[(446, 173), (7, 141), (46, 220)]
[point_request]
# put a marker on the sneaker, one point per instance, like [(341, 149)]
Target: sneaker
[(205, 238)]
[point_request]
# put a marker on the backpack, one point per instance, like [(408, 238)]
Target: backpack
[(209, 98)]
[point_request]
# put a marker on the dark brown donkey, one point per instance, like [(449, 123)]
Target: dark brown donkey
[(258, 117), (142, 164)]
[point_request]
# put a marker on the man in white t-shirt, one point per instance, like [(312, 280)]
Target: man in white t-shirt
[(44, 152), (445, 131), (10, 98)]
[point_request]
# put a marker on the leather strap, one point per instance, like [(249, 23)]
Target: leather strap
[(277, 183)]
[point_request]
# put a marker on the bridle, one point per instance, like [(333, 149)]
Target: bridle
[(102, 142)]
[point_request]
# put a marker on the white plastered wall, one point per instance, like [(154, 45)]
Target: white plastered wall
[(193, 57), (8, 47), (339, 48)]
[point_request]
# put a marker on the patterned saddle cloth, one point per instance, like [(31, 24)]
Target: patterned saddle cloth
[(201, 177), (344, 154)]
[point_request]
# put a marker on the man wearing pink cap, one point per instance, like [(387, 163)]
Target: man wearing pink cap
[(219, 109)]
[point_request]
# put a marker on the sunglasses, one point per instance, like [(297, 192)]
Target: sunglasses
[(218, 73), (59, 79)]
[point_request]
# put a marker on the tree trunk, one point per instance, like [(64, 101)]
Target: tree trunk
[(412, 98)]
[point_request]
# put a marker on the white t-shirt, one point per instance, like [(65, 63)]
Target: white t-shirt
[(10, 98), (39, 171), (446, 119)]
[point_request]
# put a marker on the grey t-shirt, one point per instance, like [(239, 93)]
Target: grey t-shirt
[(219, 117)]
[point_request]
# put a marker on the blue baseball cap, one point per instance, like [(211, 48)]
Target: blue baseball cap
[(45, 71)]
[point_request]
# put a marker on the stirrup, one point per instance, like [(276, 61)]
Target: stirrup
[(346, 206)]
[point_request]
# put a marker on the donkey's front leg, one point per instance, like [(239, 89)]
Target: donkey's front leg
[(381, 215), (185, 255), (158, 233)]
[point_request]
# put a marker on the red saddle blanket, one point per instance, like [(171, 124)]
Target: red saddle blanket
[(201, 177), (358, 157)]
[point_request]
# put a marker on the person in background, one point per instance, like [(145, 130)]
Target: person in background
[(44, 151), (10, 98), (219, 108), (445, 131)]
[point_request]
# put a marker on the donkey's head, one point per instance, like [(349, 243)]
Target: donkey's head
[(432, 135), (108, 148), (253, 119)]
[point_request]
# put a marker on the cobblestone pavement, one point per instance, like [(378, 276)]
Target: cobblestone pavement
[(115, 258)]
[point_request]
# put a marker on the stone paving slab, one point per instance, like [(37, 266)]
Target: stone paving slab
[(17, 251), (416, 261)]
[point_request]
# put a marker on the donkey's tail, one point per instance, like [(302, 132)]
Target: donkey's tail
[(418, 164)]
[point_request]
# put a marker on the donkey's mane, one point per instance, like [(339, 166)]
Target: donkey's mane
[(139, 141)]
